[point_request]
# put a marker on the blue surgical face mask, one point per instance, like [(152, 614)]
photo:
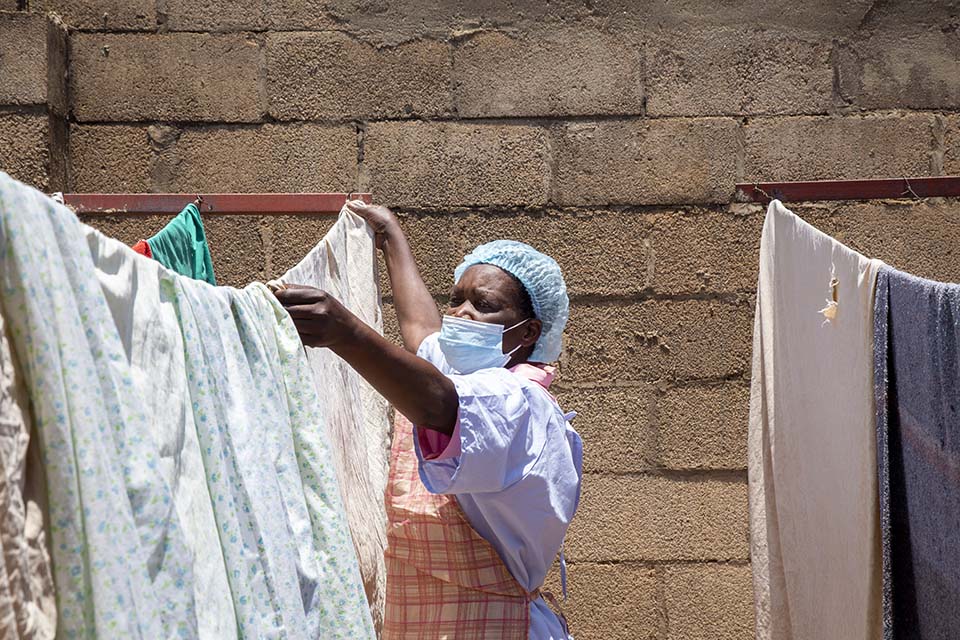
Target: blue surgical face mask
[(469, 345)]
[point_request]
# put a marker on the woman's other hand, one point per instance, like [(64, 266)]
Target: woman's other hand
[(319, 317), (383, 221)]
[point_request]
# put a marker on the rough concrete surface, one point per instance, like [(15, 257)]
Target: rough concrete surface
[(615, 426), (839, 148), (25, 148), (548, 72), (709, 601), (441, 164), (179, 76), (330, 75), (104, 15), (23, 58), (664, 161), (737, 71), (110, 158), (658, 518), (703, 427)]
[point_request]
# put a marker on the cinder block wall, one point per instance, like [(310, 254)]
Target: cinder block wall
[(608, 133)]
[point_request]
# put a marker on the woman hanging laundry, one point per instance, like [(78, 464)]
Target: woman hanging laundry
[(485, 482)]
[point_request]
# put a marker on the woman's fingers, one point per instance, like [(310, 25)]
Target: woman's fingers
[(295, 294)]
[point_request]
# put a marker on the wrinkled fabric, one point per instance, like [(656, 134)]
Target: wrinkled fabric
[(517, 476), (119, 559), (27, 600), (344, 264), (917, 373), (95, 325), (137, 293), (181, 246), (815, 543), (143, 248)]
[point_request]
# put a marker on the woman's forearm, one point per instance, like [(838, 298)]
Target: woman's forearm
[(416, 309), (416, 388)]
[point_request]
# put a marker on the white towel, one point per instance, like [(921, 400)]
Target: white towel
[(815, 544)]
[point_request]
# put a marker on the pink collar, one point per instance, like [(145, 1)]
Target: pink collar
[(542, 374)]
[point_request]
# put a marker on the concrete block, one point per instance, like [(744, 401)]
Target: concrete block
[(703, 427), (922, 238), (612, 601), (709, 602), (600, 252), (102, 15), (658, 339), (733, 71), (293, 237), (23, 58), (176, 76), (331, 75), (443, 163), (823, 148), (110, 159), (236, 246), (214, 15), (900, 69), (268, 158), (25, 148), (615, 426), (555, 72), (697, 251), (645, 161), (650, 518), (32, 61)]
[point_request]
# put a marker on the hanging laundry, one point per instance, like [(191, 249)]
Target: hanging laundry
[(344, 264), (917, 382), (815, 546), (137, 294), (27, 601), (133, 493), (182, 246)]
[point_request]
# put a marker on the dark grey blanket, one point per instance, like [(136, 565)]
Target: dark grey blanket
[(917, 385)]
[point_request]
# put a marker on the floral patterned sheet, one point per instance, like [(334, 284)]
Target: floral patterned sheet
[(191, 488)]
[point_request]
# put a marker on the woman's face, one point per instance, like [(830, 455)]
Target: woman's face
[(487, 293)]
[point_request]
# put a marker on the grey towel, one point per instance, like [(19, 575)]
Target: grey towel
[(917, 386)]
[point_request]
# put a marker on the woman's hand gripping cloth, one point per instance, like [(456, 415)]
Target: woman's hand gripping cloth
[(344, 263), (815, 544), (917, 376)]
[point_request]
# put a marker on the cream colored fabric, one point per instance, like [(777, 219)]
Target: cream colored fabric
[(27, 598), (344, 264), (815, 544)]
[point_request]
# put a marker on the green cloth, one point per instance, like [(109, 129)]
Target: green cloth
[(182, 246)]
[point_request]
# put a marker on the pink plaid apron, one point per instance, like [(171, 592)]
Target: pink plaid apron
[(443, 579)]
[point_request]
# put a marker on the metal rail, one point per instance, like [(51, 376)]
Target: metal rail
[(262, 204), (945, 186)]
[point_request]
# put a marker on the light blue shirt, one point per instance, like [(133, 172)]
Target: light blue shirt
[(517, 476)]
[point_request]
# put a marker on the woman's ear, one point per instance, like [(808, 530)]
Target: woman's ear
[(531, 332)]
